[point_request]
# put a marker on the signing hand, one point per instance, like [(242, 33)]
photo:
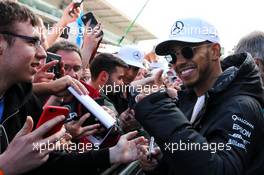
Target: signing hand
[(148, 164), (126, 149)]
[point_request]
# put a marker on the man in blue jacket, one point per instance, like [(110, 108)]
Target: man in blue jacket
[(216, 124)]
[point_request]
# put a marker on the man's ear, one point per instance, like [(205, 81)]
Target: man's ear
[(3, 44), (215, 51), (103, 77)]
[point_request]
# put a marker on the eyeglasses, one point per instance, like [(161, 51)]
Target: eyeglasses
[(33, 40), (187, 52), (75, 68)]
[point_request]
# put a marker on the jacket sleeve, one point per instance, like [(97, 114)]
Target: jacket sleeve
[(74, 163), (227, 150)]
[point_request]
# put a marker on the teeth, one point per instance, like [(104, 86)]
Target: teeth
[(187, 71)]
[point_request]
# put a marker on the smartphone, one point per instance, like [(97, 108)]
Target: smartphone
[(57, 68), (171, 74), (172, 79), (50, 112), (76, 4), (89, 16)]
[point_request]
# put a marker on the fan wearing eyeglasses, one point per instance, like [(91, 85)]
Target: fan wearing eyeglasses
[(221, 105), (24, 149)]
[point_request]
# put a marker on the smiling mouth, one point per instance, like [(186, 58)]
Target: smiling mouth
[(186, 70)]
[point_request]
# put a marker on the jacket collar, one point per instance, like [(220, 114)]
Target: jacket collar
[(17, 96)]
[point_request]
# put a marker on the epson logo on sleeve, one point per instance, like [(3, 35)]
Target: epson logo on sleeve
[(242, 132)]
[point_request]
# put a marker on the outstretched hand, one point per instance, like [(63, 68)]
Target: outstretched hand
[(29, 149), (126, 149)]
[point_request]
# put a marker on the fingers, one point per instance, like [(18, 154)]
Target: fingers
[(124, 114), (67, 136), (27, 128), (88, 24), (62, 70), (73, 84), (166, 81), (140, 141), (83, 119), (77, 11), (46, 77), (146, 163), (158, 77), (131, 115), (109, 111), (173, 93), (126, 118), (46, 127), (94, 33), (130, 135), (79, 87), (132, 112), (97, 30), (156, 152), (51, 140), (90, 132), (91, 127), (69, 7), (127, 110), (74, 13), (106, 108), (46, 67), (143, 149), (55, 137)]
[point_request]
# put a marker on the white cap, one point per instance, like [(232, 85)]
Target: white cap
[(189, 30), (132, 56)]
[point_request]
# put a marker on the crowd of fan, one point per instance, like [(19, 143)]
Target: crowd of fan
[(143, 100)]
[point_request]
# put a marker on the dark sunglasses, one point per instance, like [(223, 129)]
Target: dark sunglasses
[(186, 51), (34, 40)]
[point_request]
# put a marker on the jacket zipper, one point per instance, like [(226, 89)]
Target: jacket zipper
[(3, 128)]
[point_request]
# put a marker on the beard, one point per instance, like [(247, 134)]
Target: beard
[(203, 74), (111, 87)]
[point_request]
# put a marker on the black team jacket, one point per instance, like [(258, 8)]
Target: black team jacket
[(227, 137)]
